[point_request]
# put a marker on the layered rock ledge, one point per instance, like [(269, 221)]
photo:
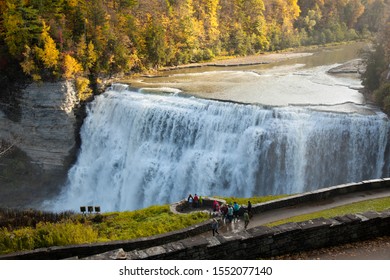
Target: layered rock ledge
[(43, 139)]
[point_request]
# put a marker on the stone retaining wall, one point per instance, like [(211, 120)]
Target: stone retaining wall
[(259, 242), (321, 194), (264, 242)]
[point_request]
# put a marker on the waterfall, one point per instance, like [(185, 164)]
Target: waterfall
[(144, 149)]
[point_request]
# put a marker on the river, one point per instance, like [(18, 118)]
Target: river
[(302, 80), (285, 127)]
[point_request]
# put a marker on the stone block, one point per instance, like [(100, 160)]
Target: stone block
[(118, 254), (342, 219), (194, 242), (288, 227), (158, 250), (213, 241), (386, 213), (315, 224), (386, 182), (136, 255), (370, 215), (260, 231), (334, 223), (132, 255), (174, 247), (348, 219), (373, 184), (362, 217)]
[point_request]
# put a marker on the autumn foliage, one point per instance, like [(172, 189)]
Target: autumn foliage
[(376, 79), (54, 39)]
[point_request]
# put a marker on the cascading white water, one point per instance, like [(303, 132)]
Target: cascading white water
[(143, 149)]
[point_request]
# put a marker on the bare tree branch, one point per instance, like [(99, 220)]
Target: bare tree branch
[(4, 148)]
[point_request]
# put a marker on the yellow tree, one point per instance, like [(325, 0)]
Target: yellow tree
[(255, 24), (206, 12), (184, 31), (41, 58), (284, 12), (281, 16), (48, 53), (243, 26), (71, 67)]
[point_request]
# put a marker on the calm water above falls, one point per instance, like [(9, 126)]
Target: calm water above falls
[(141, 149), (299, 81)]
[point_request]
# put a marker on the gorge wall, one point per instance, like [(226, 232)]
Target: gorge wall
[(42, 141)]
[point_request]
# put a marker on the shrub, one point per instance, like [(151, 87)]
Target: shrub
[(97, 218), (46, 235)]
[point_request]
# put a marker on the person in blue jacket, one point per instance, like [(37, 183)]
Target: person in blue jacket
[(236, 209)]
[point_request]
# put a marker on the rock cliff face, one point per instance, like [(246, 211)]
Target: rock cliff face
[(44, 141), (46, 131)]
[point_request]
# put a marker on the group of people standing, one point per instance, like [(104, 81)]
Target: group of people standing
[(195, 201), (231, 214)]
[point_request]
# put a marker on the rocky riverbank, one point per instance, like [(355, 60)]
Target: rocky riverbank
[(356, 66)]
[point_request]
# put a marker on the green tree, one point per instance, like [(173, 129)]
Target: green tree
[(22, 27), (155, 43), (352, 12)]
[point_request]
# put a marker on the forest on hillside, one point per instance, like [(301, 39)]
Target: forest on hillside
[(376, 79), (87, 39)]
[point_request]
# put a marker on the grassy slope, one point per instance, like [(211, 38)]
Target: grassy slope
[(378, 205)]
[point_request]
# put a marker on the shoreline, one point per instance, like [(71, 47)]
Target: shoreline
[(255, 59), (258, 59)]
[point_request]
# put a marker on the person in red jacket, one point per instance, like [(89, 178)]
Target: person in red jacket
[(196, 201), (215, 206)]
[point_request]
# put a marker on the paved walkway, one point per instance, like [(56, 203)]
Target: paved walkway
[(304, 208), (378, 250)]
